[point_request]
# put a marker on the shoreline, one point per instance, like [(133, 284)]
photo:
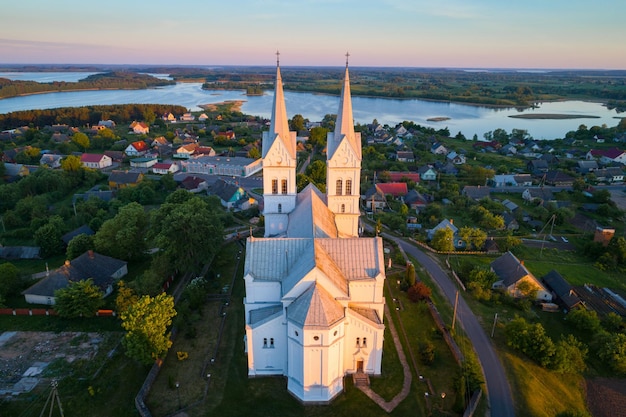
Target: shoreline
[(553, 116), (235, 105)]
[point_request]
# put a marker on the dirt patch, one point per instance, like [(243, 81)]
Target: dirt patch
[(21, 351), (606, 397)]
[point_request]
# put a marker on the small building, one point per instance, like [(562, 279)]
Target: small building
[(395, 189), (537, 195), (96, 160), (51, 160), (445, 223), (194, 184), (537, 166), (123, 179), (164, 168), (82, 230), (427, 173), (405, 156), (140, 128), (603, 235), (104, 271), (116, 156), (145, 162), (137, 148), (558, 179), (438, 149), (562, 292), (229, 193), (476, 192), (511, 273), (221, 165), (403, 176)]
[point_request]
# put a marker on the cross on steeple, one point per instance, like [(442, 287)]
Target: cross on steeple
[(277, 58), (347, 56)]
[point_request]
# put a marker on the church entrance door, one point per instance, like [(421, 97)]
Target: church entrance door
[(359, 365)]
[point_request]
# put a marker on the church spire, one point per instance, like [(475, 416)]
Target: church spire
[(279, 125), (344, 126)]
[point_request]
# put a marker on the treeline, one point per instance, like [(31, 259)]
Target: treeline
[(87, 115), (106, 81)]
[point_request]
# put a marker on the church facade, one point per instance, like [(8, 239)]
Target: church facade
[(314, 289)]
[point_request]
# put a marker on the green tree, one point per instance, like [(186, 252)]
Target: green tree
[(318, 136), (612, 350), (71, 163), (146, 323), (188, 246), (48, 237), (473, 237), (124, 235), (82, 140), (569, 356), (78, 245), (316, 171), (585, 320), (78, 299), (443, 240), (125, 298), (10, 280), (297, 123)]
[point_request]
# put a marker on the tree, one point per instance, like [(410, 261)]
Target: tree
[(427, 352), (569, 355), (188, 246), (81, 140), (146, 323), (612, 350), (48, 238), (10, 281), (530, 339), (78, 299), (316, 171), (318, 136), (443, 240), (125, 298), (71, 163), (124, 235), (418, 292), (78, 245), (585, 320), (473, 237), (297, 123)]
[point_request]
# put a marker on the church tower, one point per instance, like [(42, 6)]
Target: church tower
[(279, 165), (343, 166)]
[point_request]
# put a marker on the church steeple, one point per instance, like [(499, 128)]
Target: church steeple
[(279, 165), (279, 124), (343, 165)]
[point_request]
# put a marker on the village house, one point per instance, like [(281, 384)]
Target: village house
[(143, 162), (374, 199), (438, 149), (137, 148), (456, 158), (123, 179), (562, 292), (51, 160), (607, 156), (221, 165), (116, 156), (611, 175), (447, 224), (139, 128), (416, 201), (405, 156), (395, 189), (164, 168), (194, 184), (95, 161), (228, 193), (476, 192), (511, 273), (537, 195), (558, 179), (103, 270), (403, 176), (427, 173), (585, 167)]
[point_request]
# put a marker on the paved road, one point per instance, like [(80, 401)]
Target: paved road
[(498, 389)]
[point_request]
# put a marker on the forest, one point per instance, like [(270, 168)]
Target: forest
[(87, 115), (115, 80)]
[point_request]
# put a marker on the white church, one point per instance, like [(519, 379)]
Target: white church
[(314, 288)]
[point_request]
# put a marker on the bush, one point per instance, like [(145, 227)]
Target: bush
[(427, 352), (419, 292)]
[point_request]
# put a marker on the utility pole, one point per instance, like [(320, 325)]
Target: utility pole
[(456, 304), (493, 329)]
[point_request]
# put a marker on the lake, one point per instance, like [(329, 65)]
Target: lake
[(464, 118)]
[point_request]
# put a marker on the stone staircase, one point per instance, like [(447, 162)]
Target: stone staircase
[(361, 379)]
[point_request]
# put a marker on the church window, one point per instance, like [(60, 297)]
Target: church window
[(264, 342), (272, 343), (283, 186), (358, 341), (280, 208), (296, 332), (335, 334), (339, 186), (365, 342), (274, 186), (316, 338), (348, 187), (343, 208)]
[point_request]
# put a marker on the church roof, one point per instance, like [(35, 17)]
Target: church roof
[(311, 218), (344, 126), (261, 315), (315, 307), (367, 313), (279, 125)]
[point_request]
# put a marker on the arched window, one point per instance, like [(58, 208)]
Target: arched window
[(343, 208), (365, 342), (283, 186), (348, 187), (274, 186), (358, 341), (280, 208), (265, 342), (339, 187), (272, 342)]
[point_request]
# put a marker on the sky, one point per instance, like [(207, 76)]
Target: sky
[(577, 34)]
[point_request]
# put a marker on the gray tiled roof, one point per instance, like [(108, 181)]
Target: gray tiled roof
[(509, 269), (315, 307)]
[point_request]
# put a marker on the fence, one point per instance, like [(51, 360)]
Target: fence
[(45, 312)]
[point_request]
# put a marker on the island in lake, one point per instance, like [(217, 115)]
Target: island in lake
[(232, 105), (554, 116), (437, 119)]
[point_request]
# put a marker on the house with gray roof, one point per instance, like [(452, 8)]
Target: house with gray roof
[(563, 292), (511, 273), (103, 270)]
